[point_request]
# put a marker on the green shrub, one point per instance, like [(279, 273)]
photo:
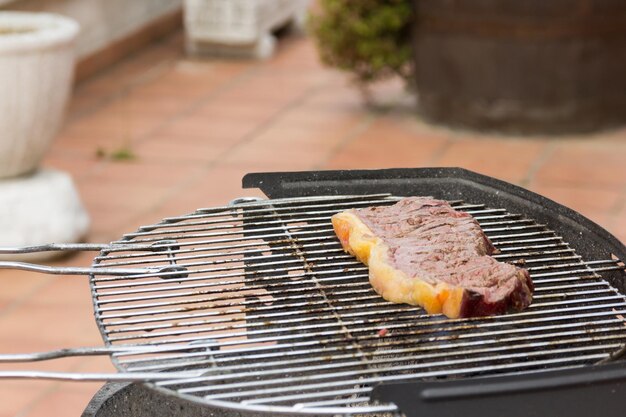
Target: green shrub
[(370, 38)]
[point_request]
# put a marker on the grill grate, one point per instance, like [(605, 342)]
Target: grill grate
[(261, 297)]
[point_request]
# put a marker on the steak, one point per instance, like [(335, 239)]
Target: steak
[(422, 252)]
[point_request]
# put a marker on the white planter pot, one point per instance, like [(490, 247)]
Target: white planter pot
[(238, 27), (36, 72)]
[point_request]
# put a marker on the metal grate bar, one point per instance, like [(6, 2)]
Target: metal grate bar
[(373, 329), (190, 235), (370, 380), (315, 230), (319, 394), (308, 316), (376, 309), (175, 293), (212, 250), (169, 362), (383, 365), (535, 306), (183, 324), (280, 322), (412, 367), (247, 309), (263, 214), (212, 254), (365, 285), (453, 348), (214, 302), (524, 255), (538, 277), (198, 271), (265, 206), (371, 310), (359, 266), (336, 253), (526, 241), (279, 219)]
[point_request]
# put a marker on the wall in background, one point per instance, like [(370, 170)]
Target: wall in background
[(103, 22)]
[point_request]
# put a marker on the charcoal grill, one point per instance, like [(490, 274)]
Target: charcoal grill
[(254, 307)]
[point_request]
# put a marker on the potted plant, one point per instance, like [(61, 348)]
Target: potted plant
[(36, 71), (530, 66), (369, 38)]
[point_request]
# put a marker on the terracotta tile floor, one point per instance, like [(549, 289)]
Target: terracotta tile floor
[(195, 127)]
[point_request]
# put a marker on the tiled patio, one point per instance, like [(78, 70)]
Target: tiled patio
[(195, 127)]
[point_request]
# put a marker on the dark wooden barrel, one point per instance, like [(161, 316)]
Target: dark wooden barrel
[(533, 66)]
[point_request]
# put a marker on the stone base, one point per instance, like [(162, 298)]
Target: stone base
[(40, 208)]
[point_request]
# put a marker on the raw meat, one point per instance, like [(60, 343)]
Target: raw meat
[(422, 252)]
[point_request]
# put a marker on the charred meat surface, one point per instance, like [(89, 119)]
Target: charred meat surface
[(421, 251)]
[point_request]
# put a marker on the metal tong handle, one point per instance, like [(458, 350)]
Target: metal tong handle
[(53, 247), (96, 377), (96, 351), (24, 266), (162, 271)]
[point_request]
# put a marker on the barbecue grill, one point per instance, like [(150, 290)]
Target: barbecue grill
[(254, 308)]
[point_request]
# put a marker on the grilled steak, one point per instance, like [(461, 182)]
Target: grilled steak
[(421, 251)]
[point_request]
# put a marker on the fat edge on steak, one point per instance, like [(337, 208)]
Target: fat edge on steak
[(397, 286)]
